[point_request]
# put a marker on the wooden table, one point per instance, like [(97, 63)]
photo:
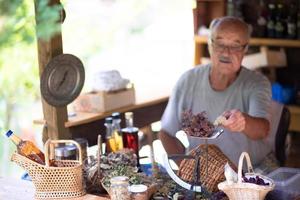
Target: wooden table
[(90, 125), (17, 189)]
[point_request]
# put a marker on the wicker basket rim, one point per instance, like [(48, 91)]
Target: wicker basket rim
[(223, 185), (19, 156)]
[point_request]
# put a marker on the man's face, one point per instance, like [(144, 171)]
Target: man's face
[(228, 49)]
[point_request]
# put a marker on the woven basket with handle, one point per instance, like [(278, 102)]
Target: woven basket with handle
[(211, 171), (242, 190), (64, 181)]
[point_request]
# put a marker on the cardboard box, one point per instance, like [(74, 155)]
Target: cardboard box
[(265, 58), (104, 101)]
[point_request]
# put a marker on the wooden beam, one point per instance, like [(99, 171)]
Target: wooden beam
[(55, 117)]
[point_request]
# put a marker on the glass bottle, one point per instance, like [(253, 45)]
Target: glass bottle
[(262, 20), (117, 130), (119, 188), (280, 24), (298, 21), (271, 20), (110, 139), (291, 22), (130, 135), (27, 148)]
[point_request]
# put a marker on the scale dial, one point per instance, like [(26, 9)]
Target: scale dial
[(62, 80)]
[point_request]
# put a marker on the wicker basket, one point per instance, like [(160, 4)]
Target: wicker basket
[(242, 190), (64, 181), (211, 171)]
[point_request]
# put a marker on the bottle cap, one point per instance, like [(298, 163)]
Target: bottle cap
[(116, 115), (139, 188), (128, 115), (9, 133), (108, 120)]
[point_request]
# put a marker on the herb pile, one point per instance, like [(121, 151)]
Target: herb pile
[(196, 125)]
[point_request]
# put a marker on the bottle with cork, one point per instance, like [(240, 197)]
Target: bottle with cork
[(130, 135), (27, 148)]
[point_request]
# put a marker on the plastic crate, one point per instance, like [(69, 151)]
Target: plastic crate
[(287, 180), (282, 175)]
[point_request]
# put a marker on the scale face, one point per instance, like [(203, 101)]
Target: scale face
[(62, 80)]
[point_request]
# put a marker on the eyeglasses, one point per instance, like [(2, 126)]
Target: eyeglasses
[(232, 49)]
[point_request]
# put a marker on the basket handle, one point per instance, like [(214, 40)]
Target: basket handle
[(240, 167), (47, 144)]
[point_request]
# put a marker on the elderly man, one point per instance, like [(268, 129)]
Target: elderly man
[(225, 88)]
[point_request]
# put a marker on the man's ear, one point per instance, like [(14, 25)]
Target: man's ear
[(246, 48)]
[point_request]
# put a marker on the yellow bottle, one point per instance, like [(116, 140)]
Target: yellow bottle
[(111, 145), (117, 130)]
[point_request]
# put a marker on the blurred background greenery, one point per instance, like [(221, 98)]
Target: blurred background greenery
[(141, 39)]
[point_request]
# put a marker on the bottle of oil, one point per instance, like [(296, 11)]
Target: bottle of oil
[(110, 139), (117, 130), (27, 148), (130, 135)]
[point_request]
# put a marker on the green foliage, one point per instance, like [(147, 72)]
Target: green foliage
[(19, 78), (17, 21)]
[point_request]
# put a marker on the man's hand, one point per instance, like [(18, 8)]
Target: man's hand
[(235, 120), (253, 127)]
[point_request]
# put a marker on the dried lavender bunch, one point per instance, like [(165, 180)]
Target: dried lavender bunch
[(196, 125)]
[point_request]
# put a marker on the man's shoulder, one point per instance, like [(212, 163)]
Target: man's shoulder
[(253, 76), (196, 71)]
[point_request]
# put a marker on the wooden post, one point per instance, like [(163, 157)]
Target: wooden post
[(55, 117)]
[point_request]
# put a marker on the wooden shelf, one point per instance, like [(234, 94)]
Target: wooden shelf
[(260, 42), (81, 118), (295, 118)]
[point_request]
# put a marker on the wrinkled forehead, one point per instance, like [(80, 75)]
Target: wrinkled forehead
[(234, 31)]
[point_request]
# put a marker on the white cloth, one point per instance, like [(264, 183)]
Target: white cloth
[(109, 81)]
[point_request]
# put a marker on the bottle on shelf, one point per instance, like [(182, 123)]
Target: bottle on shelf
[(27, 148), (230, 8), (130, 135), (117, 130), (271, 20), (298, 21), (109, 138), (280, 22), (262, 20), (292, 22)]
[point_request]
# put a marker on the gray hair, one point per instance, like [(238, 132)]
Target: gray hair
[(232, 21)]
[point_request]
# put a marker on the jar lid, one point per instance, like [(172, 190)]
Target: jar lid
[(139, 188), (119, 179), (65, 151)]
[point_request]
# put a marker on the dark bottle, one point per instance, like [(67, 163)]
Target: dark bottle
[(280, 22), (271, 20), (298, 21), (130, 135), (27, 148), (109, 137), (117, 130), (230, 8), (292, 22), (262, 20)]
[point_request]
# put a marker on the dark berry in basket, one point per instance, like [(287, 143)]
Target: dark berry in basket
[(256, 180), (220, 195), (196, 125)]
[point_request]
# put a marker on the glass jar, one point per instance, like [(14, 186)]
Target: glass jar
[(65, 153), (119, 188), (138, 192)]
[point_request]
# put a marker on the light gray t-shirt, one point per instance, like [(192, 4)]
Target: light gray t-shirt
[(250, 93)]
